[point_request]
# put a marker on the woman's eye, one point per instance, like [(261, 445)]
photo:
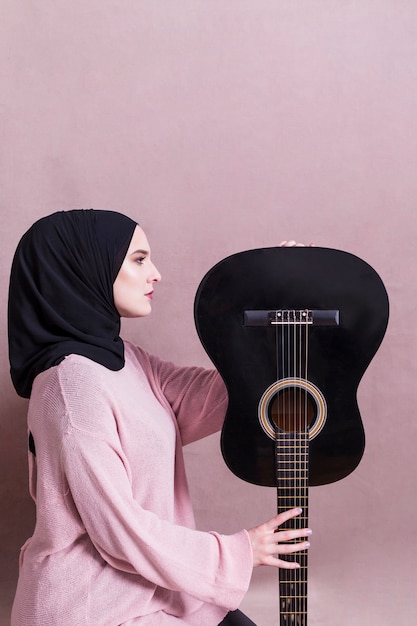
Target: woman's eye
[(140, 260)]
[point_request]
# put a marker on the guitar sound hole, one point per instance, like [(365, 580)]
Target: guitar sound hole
[(292, 410)]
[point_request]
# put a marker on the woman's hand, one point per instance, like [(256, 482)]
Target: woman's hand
[(293, 244), (266, 541)]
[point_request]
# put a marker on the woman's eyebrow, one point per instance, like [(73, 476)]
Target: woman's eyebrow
[(144, 252)]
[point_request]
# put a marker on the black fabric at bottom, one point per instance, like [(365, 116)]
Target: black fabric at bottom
[(236, 618)]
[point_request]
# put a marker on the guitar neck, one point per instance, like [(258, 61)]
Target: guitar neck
[(292, 491)]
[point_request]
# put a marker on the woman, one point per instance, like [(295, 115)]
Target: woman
[(114, 541)]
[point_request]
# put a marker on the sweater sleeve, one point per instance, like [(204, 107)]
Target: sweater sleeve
[(211, 567), (197, 396)]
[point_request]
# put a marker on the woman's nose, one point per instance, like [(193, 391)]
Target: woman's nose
[(155, 276)]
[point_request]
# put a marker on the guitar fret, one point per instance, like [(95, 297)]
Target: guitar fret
[(291, 495), (285, 439), (302, 449), (292, 460), (299, 453), (300, 473), (289, 458), (293, 613)]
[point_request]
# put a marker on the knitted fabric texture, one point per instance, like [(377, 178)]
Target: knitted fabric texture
[(115, 540)]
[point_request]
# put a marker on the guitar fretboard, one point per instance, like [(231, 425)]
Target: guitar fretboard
[(292, 491)]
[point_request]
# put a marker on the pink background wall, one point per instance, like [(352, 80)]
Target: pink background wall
[(223, 125)]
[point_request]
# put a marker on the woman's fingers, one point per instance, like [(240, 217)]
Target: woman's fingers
[(281, 518), (289, 244), (268, 541), (294, 244)]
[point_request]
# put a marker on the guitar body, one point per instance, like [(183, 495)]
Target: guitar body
[(249, 311)]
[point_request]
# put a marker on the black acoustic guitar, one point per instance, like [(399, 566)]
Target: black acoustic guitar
[(292, 331)]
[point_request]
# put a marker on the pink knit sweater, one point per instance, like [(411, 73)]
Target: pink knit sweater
[(115, 541)]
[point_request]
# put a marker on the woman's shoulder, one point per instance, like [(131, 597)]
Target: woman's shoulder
[(73, 378), (78, 392), (78, 370)]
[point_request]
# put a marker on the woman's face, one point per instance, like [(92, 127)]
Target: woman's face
[(133, 287)]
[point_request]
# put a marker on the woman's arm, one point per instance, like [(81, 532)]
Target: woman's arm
[(211, 567), (197, 396)]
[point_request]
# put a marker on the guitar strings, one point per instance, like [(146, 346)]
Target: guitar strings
[(298, 429), (292, 430), (295, 446), (282, 463), (302, 430), (305, 460), (299, 332), (293, 421)]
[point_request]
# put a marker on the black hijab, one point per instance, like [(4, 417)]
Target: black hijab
[(61, 292)]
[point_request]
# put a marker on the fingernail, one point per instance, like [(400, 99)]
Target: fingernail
[(299, 511), (307, 544)]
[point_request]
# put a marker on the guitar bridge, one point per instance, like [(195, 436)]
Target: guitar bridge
[(291, 317)]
